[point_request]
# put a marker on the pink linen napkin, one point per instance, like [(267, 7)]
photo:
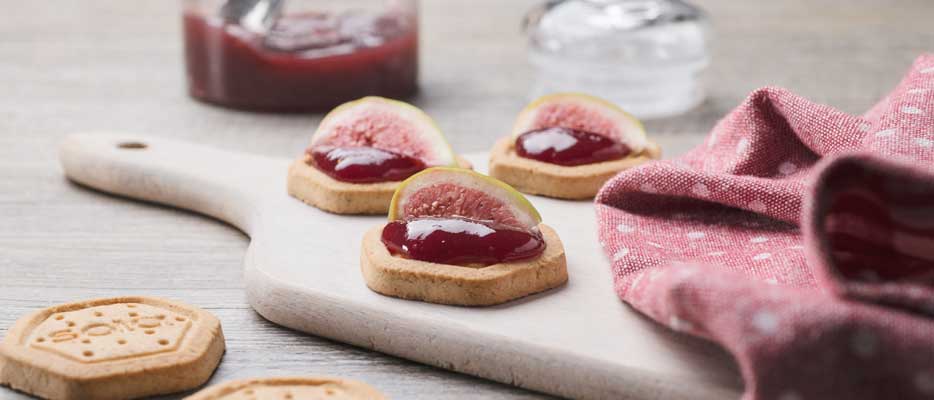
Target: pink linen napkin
[(798, 237)]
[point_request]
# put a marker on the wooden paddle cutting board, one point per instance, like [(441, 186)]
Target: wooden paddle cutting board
[(302, 270)]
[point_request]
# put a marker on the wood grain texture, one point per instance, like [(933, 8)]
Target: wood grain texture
[(116, 65)]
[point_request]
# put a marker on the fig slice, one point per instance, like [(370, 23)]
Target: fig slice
[(456, 192), (388, 125), (582, 112)]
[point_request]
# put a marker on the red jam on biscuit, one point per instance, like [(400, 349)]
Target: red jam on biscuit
[(460, 241), (364, 164), (569, 147), (458, 237)]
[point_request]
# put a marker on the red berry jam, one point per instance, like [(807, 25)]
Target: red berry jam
[(569, 147), (306, 62), (460, 241), (364, 164)]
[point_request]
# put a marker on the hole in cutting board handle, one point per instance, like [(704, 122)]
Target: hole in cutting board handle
[(132, 145)]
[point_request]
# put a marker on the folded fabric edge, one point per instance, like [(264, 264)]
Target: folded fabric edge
[(842, 178)]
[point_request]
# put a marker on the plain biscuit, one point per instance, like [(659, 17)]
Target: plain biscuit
[(285, 388), (457, 285), (574, 183), (110, 349), (315, 188)]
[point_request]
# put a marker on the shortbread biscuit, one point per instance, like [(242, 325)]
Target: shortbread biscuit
[(457, 285), (316, 188), (574, 183), (285, 388), (117, 348)]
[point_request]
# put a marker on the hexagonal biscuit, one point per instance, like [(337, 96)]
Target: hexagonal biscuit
[(577, 182), (459, 285), (290, 388), (117, 348), (316, 188)]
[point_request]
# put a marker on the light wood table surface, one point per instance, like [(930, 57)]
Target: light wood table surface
[(116, 65)]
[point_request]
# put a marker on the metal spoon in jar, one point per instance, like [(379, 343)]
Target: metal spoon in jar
[(255, 15)]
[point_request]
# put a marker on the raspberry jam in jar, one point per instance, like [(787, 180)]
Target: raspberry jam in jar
[(460, 241), (311, 57), (364, 164), (569, 147)]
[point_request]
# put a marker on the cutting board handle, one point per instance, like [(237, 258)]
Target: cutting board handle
[(192, 177)]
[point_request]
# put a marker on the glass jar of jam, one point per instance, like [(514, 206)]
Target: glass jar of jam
[(299, 55)]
